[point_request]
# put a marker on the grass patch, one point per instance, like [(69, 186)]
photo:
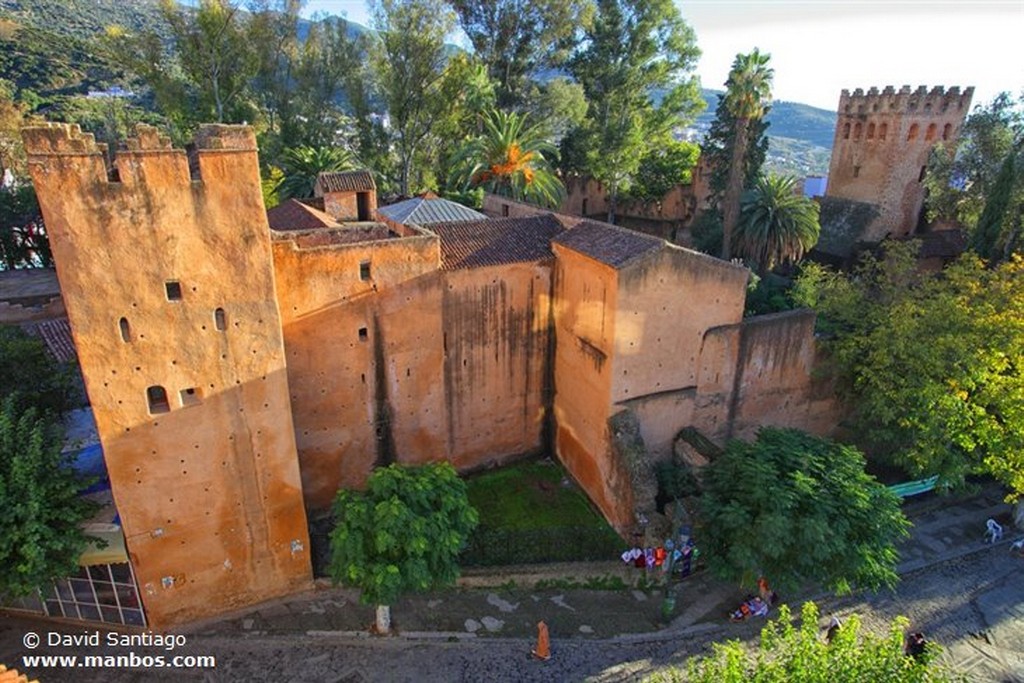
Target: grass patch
[(530, 495)]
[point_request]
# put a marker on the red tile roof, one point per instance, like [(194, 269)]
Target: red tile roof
[(294, 215), (609, 244), (495, 241), (56, 334), (346, 181)]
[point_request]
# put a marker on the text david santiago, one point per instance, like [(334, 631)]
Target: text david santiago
[(94, 639)]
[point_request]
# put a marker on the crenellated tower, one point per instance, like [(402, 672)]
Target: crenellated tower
[(882, 142), (165, 266)]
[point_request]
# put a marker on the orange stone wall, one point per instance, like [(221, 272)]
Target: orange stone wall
[(881, 148), (451, 365), (209, 492)]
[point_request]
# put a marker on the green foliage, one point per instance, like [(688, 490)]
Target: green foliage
[(300, 168), (403, 533), (797, 509), (675, 480), (629, 52), (559, 105), (662, 168), (768, 294), (789, 652), (932, 365), (717, 150), (776, 225), (40, 521), (509, 159), (518, 38), (993, 235), (30, 377)]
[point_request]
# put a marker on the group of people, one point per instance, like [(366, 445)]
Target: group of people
[(915, 645)]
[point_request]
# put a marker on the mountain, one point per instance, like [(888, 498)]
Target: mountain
[(799, 136)]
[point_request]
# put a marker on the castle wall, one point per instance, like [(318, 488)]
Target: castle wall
[(665, 305), (344, 206), (881, 148), (168, 283), (412, 365), (585, 302)]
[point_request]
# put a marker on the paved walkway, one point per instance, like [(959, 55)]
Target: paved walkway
[(510, 602)]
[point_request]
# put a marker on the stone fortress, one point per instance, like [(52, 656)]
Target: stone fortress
[(241, 370)]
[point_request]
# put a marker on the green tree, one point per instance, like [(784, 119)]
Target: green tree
[(636, 65), (788, 653), (41, 537), (747, 94), (301, 167), (218, 59), (409, 59), (403, 533), (1000, 220), (518, 38), (30, 377), (662, 168), (776, 225), (509, 159), (796, 508), (931, 365)]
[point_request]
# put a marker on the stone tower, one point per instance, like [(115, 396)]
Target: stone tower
[(165, 268), (881, 150)]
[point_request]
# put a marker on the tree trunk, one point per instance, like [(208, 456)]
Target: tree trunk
[(613, 202), (734, 187), (383, 619)]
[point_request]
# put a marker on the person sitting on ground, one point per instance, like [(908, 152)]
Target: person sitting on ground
[(917, 645), (833, 628)]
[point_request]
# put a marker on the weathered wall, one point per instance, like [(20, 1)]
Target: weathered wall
[(412, 365), (208, 492), (665, 305), (337, 338), (585, 299), (881, 147), (344, 206)]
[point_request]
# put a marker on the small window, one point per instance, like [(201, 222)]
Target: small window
[(173, 290), (846, 131), (883, 131), (126, 330), (930, 135), (504, 209), (190, 397), (220, 319), (871, 131), (912, 133), (364, 270), (363, 334), (583, 209), (924, 171), (157, 399), (856, 131), (947, 131), (856, 171)]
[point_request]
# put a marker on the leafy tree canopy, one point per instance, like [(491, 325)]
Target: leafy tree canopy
[(301, 166), (403, 533), (40, 521), (662, 168), (932, 365), (30, 377), (790, 652), (777, 225), (797, 508)]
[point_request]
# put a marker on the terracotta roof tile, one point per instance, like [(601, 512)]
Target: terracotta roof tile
[(609, 244), (496, 240), (295, 215), (56, 334), (346, 181)]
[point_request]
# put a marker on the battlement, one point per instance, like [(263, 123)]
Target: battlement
[(50, 139), (892, 101), (54, 139)]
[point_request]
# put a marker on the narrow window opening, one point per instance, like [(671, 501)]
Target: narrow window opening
[(364, 270), (156, 396), (947, 131), (856, 171), (126, 331), (930, 135), (920, 177), (191, 397), (363, 206), (363, 334), (912, 134), (883, 130), (846, 131), (856, 131), (504, 209), (871, 131), (220, 319), (583, 209), (173, 290)]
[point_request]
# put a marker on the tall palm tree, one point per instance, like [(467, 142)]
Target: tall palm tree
[(776, 224), (302, 165), (508, 158), (748, 92)]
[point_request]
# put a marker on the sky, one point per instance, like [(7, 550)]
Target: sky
[(819, 47)]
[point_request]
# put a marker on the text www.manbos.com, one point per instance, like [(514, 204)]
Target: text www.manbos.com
[(131, 660)]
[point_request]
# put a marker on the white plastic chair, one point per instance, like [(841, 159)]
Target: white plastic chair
[(994, 531)]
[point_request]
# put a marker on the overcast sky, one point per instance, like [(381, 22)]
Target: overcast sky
[(819, 47)]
